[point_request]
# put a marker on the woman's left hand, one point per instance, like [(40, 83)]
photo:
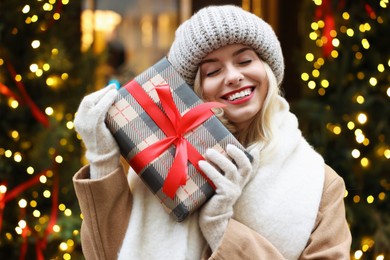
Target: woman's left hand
[(215, 214)]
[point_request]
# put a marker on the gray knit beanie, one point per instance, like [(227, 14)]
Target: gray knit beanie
[(217, 26)]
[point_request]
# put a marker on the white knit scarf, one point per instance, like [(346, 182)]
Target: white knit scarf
[(280, 203)]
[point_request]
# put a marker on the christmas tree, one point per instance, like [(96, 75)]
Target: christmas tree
[(43, 75), (345, 109)]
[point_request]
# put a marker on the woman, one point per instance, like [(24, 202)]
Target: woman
[(286, 204)]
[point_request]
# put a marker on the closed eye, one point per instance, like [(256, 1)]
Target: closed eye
[(212, 73), (245, 62)]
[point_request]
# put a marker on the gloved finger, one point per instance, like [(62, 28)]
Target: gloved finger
[(93, 98), (255, 153), (213, 174), (239, 157), (105, 103), (221, 161)]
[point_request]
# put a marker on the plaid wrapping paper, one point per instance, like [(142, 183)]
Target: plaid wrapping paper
[(135, 131)]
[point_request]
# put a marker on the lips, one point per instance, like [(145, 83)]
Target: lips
[(238, 94)]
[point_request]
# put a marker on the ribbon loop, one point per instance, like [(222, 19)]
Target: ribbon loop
[(174, 126)]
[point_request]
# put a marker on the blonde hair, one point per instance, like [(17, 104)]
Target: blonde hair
[(262, 128)]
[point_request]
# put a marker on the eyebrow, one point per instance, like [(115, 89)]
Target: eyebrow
[(234, 54)]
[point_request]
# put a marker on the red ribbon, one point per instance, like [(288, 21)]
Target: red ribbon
[(37, 113), (174, 126)]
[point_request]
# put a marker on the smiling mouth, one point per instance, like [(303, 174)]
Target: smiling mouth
[(238, 95)]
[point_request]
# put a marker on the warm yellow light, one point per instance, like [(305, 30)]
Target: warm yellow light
[(325, 83), (355, 153), (311, 84), (345, 16), (380, 257), (15, 134), (46, 194), (321, 23), (34, 67), (43, 179), (358, 254), (13, 103), (62, 207), (22, 223), (26, 9), (64, 76), (22, 203), (56, 16), (313, 36), (54, 51), (17, 157), (35, 44), (49, 111), (18, 78), (370, 199), (350, 32), (47, 7), (56, 228), (36, 213), (314, 26), (315, 73), (18, 230), (30, 170), (46, 67), (364, 162), (317, 2), (309, 57), (65, 2), (68, 212), (59, 159), (334, 54), (8, 153), (362, 118), (336, 42), (360, 75), (337, 130), (305, 76), (382, 196), (388, 91), (373, 81), (39, 72), (3, 189), (34, 18), (33, 203), (381, 68), (63, 246), (386, 153), (360, 99), (365, 44), (321, 91), (70, 125), (358, 55)]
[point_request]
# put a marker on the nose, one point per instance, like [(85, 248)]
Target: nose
[(233, 76)]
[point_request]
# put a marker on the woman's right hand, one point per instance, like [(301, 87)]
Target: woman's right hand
[(102, 151)]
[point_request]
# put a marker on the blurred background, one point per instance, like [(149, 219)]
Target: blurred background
[(53, 52)]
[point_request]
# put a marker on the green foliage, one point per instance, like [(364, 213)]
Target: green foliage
[(358, 75), (63, 76)]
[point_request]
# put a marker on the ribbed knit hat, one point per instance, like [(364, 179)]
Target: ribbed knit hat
[(217, 26)]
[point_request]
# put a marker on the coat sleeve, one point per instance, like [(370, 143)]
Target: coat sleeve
[(330, 238), (106, 205)]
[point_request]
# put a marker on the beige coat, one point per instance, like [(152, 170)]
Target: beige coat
[(106, 219)]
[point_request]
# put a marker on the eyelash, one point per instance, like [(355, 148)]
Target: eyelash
[(210, 74)]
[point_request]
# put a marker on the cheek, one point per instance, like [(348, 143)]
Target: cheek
[(209, 90)]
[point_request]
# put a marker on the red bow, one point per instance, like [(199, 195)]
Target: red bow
[(174, 126)]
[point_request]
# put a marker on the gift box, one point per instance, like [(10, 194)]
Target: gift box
[(163, 129)]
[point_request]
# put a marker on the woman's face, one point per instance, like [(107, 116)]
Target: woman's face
[(235, 76)]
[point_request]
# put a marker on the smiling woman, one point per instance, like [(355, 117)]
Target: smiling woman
[(285, 204)]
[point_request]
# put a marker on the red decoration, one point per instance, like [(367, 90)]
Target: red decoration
[(175, 126), (37, 113), (325, 12)]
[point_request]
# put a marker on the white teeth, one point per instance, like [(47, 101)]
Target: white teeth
[(241, 94)]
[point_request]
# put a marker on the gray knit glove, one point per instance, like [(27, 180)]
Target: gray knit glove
[(215, 214), (102, 150)]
